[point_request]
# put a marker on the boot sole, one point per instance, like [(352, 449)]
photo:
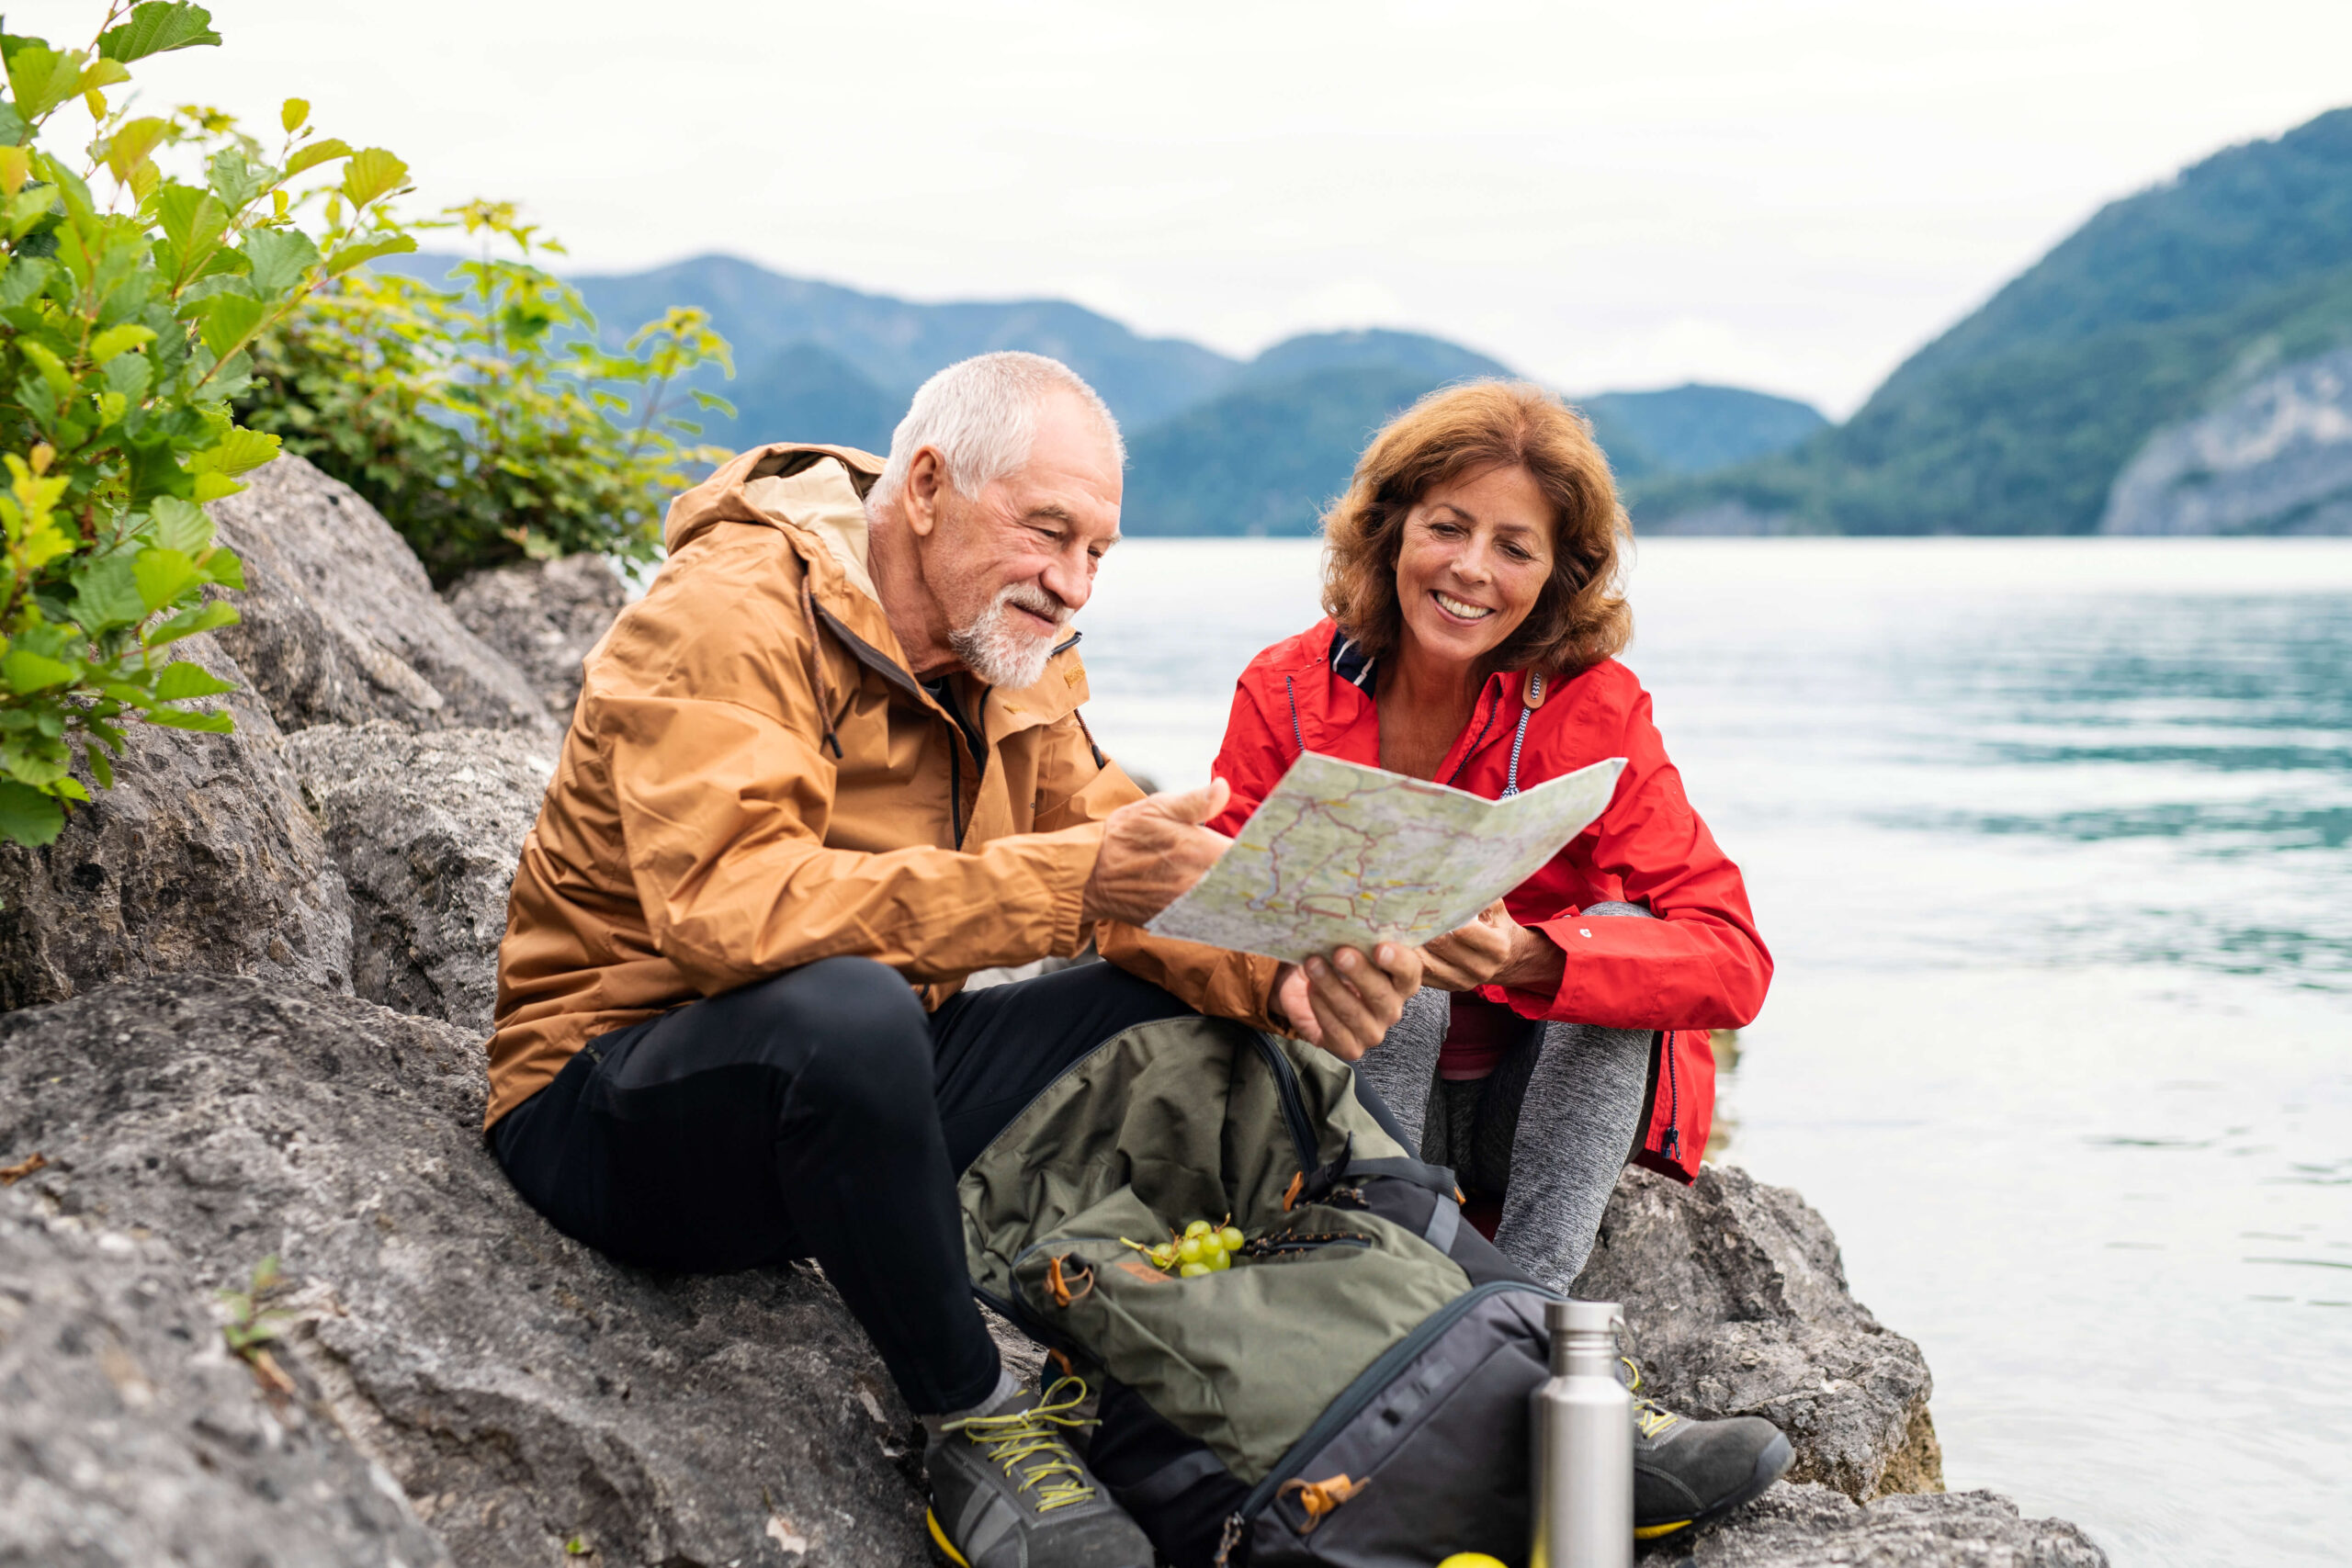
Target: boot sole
[(1771, 1465)]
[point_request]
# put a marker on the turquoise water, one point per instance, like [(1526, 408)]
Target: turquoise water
[(2052, 843)]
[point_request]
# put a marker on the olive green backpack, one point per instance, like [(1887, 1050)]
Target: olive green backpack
[(1353, 1390)]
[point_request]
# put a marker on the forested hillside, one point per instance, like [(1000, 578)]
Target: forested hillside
[(2020, 418)]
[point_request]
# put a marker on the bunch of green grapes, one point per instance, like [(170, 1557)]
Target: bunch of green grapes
[(1203, 1249)]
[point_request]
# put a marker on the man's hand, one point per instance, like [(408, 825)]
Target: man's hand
[(1347, 1002), (1152, 852)]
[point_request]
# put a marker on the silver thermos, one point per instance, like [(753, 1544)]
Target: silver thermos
[(1583, 1432)]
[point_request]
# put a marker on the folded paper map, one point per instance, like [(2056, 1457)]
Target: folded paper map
[(1342, 855)]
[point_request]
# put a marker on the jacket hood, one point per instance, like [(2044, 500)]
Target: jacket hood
[(787, 486)]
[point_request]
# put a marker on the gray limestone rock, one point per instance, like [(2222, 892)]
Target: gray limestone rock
[(521, 1389), (545, 617), (427, 827), (201, 858), (341, 625), (1813, 1527), (135, 1438), (2274, 457), (1735, 1297)]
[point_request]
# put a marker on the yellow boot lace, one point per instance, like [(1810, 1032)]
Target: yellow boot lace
[(1648, 1415), (1033, 1440)]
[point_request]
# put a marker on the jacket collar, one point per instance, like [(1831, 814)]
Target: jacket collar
[(819, 506), (1350, 663)]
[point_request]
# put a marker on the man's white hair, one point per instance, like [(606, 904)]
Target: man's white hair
[(981, 415)]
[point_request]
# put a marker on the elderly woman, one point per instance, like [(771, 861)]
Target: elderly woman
[(1471, 591)]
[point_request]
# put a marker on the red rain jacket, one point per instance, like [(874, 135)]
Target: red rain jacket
[(1699, 965)]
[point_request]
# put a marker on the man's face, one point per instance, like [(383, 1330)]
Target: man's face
[(1010, 566)]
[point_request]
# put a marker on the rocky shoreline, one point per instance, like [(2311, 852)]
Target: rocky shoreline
[(249, 988)]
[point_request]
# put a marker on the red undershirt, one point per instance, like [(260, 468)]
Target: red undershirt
[(1480, 1035)]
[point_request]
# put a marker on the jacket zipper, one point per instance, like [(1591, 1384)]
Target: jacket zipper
[(1295, 732), (1670, 1147), (1367, 1386)]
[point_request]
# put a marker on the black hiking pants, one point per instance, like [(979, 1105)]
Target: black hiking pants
[(818, 1114)]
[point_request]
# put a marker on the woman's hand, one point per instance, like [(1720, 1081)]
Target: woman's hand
[(1467, 958), (1493, 950), (1347, 1002)]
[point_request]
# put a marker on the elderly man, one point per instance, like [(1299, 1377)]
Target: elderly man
[(832, 763)]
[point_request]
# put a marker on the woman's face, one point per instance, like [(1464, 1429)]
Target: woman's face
[(1473, 560)]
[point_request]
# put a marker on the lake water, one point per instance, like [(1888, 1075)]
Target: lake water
[(2053, 843)]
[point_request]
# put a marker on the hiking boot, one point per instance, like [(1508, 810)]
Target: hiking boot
[(1007, 1490), (1687, 1471)]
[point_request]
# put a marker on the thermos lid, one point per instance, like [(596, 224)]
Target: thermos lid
[(1582, 1317)]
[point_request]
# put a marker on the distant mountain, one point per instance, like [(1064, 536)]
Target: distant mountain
[(2168, 308), (1266, 456), (895, 344), (1693, 428), (1216, 445)]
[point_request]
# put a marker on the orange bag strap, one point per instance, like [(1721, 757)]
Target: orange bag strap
[(1059, 1285), (1319, 1497)]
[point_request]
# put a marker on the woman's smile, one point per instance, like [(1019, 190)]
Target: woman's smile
[(1461, 610)]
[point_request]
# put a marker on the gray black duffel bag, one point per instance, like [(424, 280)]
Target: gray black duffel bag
[(1353, 1390)]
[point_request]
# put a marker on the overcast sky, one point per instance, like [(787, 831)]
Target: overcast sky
[(1787, 194)]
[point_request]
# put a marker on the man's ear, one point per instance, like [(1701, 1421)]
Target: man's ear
[(926, 477)]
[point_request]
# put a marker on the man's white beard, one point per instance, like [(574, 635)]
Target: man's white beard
[(999, 648)]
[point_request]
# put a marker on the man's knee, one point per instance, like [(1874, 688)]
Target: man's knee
[(858, 1036)]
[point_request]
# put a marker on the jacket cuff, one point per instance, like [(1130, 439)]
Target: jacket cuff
[(1548, 1006), (1081, 845)]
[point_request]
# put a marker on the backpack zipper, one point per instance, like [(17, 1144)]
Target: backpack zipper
[(1367, 1386), (1293, 1100)]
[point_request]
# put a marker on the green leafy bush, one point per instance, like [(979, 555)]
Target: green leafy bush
[(129, 303), (486, 421)]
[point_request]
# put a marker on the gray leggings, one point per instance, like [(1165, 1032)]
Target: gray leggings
[(1576, 1118)]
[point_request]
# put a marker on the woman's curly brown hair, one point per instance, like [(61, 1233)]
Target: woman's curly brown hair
[(1581, 617)]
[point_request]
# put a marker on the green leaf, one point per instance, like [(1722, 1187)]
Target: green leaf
[(25, 278), (129, 374), (157, 28), (179, 718), (238, 452), (133, 142), (120, 338), (228, 320), (181, 680), (27, 671), (100, 769), (352, 255), (44, 359), (225, 567), (233, 177), (164, 575), (292, 113), (177, 524), (40, 78), (316, 153), (278, 258), (203, 618), (29, 817), (372, 171), (107, 595), (193, 221)]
